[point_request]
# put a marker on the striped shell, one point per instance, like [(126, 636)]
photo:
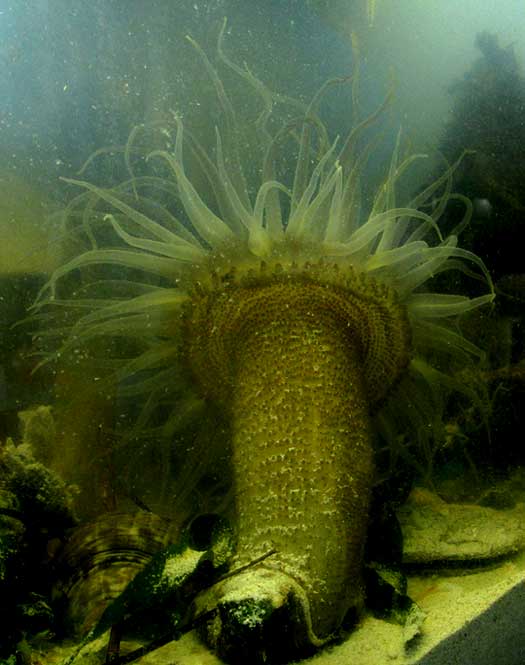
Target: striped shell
[(101, 557)]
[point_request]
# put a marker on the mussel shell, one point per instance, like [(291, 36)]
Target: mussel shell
[(101, 557)]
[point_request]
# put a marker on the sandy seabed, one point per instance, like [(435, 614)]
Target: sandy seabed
[(461, 611)]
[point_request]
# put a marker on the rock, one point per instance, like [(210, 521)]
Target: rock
[(449, 534)]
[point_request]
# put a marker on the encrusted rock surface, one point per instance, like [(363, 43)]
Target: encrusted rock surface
[(435, 531)]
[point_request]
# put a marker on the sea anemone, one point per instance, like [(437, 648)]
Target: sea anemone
[(285, 309)]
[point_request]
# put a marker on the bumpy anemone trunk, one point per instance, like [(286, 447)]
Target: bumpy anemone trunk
[(295, 362), (302, 457)]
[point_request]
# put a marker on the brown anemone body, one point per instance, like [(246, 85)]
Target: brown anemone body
[(298, 355)]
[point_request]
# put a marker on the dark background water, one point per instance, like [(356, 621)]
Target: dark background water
[(76, 76)]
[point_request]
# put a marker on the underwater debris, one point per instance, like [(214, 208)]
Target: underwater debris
[(387, 598), (12, 531), (35, 507), (38, 430), (45, 500), (305, 322)]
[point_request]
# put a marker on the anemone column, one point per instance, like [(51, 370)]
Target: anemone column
[(297, 357), (302, 458)]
